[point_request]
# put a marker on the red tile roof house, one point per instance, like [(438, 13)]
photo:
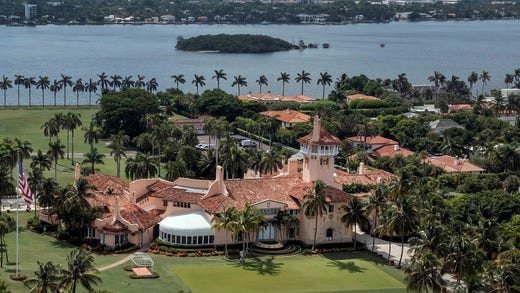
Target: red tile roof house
[(271, 98), (180, 212), (288, 117), (361, 97), (454, 165)]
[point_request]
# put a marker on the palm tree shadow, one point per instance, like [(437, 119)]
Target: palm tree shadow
[(263, 266), (349, 266)]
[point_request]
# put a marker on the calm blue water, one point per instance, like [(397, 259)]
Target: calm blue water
[(414, 48)]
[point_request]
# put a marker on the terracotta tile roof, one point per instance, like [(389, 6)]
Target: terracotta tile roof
[(116, 228), (178, 195), (288, 190), (362, 97), (105, 183), (288, 116), (298, 98), (269, 97), (391, 150), (459, 107), (453, 165), (368, 177), (136, 215), (325, 138), (373, 140)]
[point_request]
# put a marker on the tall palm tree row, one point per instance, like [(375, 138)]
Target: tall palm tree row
[(316, 203)]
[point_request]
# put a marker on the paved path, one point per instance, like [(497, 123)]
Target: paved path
[(124, 260), (381, 248)]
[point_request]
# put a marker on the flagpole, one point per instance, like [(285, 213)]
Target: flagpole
[(17, 208)]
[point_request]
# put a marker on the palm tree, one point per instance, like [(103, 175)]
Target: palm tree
[(72, 121), (178, 79), (90, 87), (303, 77), (118, 145), (18, 81), (271, 161), (239, 81), (219, 74), (423, 273), (198, 80), (55, 88), (227, 220), (116, 81), (143, 166), (41, 161), (103, 81), (93, 158), (65, 81), (56, 152), (127, 82), (316, 203), (28, 82), (234, 162), (176, 169), (92, 134), (355, 211), (47, 278), (472, 80), (77, 88), (484, 78), (262, 80), (438, 79), (376, 202), (80, 269), (50, 128), (284, 78), (4, 85), (325, 79), (151, 85), (249, 219), (140, 83), (43, 83), (509, 79)]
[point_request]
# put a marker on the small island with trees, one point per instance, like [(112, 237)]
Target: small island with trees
[(241, 43)]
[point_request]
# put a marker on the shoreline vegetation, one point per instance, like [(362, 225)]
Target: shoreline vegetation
[(241, 43)]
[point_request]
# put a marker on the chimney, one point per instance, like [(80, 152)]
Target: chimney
[(269, 92), (219, 174), (396, 147), (456, 161), (117, 212), (292, 167), (316, 129), (361, 169)]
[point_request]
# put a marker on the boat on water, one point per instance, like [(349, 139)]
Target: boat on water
[(325, 45), (312, 45), (382, 45)]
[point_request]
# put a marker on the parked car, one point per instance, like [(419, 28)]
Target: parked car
[(247, 143)]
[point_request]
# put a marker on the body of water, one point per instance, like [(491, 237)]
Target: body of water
[(417, 49)]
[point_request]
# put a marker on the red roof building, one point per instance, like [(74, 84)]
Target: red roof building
[(288, 117), (454, 165)]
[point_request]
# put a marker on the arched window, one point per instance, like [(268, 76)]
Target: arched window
[(330, 234)]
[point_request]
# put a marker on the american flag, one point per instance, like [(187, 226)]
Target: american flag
[(23, 186)]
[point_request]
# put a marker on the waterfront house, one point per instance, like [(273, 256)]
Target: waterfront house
[(288, 117)]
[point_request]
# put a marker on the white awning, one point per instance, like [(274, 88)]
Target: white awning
[(194, 223)]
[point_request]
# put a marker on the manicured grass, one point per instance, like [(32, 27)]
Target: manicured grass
[(337, 272)]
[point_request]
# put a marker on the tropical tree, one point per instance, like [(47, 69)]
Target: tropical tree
[(315, 204), (18, 81), (41, 161), (43, 83), (127, 82), (219, 74), (93, 157), (103, 81), (376, 203), (284, 78), (56, 152), (239, 81), (424, 273), (178, 79), (262, 80), (92, 134), (116, 81), (142, 166), (509, 79), (355, 211), (80, 269), (402, 85), (270, 162), (28, 82), (176, 169), (484, 78), (249, 219), (47, 278), (118, 145), (55, 88), (472, 80), (234, 161), (65, 81), (91, 87), (4, 85), (140, 83), (303, 77), (152, 85), (77, 88), (198, 80), (325, 80), (227, 220), (438, 79)]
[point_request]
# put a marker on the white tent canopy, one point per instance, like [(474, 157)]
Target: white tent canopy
[(191, 228)]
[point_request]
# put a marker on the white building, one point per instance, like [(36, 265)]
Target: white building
[(30, 11)]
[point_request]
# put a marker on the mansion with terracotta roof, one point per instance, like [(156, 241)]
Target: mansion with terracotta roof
[(181, 212)]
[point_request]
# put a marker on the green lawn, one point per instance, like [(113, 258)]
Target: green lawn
[(338, 272)]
